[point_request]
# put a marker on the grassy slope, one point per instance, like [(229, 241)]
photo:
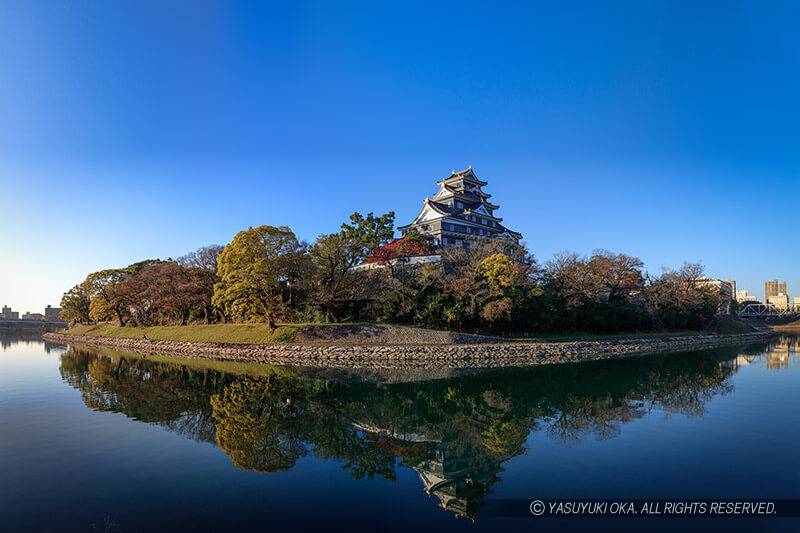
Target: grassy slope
[(731, 326), (232, 333), (285, 333)]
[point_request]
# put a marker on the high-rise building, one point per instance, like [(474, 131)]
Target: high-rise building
[(774, 287)]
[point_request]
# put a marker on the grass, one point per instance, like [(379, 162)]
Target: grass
[(285, 333), (729, 326), (229, 333)]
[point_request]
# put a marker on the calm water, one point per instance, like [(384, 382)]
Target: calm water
[(102, 441)]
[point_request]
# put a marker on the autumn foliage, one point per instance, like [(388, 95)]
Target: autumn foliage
[(266, 274)]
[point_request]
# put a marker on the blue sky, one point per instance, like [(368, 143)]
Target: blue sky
[(131, 130)]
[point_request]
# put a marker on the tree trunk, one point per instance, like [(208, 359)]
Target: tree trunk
[(119, 317)]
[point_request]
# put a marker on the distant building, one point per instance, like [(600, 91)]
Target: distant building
[(744, 296), (33, 316), (8, 314), (726, 291), (774, 287), (732, 283), (460, 214), (780, 301), (52, 313), (797, 303)]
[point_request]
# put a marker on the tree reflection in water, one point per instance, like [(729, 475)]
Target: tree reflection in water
[(455, 433)]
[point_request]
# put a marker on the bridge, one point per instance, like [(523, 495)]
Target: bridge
[(759, 310)]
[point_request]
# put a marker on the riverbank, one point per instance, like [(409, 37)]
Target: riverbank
[(454, 355), (25, 326), (305, 334)]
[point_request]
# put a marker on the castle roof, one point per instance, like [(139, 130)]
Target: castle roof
[(463, 175)]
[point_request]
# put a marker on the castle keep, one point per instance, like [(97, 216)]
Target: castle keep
[(460, 214)]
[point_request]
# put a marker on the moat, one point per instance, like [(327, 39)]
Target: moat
[(96, 439)]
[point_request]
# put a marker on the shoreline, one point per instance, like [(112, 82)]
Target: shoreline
[(484, 355)]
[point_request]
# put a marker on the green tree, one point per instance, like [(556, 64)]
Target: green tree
[(258, 272), (108, 288), (100, 310), (334, 257), (75, 306), (366, 233), (104, 289)]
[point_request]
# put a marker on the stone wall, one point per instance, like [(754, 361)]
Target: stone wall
[(490, 355)]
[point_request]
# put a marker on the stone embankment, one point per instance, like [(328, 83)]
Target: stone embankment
[(487, 355)]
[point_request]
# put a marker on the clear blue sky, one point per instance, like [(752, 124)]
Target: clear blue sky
[(131, 130)]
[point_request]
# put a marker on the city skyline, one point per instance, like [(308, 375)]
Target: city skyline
[(648, 129)]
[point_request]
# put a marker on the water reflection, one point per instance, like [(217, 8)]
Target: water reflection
[(455, 433), (780, 353), (777, 355), (31, 339)]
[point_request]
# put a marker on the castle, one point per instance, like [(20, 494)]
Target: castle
[(460, 214)]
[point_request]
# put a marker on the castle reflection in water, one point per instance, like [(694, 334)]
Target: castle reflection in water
[(455, 433)]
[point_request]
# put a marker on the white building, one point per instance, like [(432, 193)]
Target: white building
[(780, 301), (744, 296)]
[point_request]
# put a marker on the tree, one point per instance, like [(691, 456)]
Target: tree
[(167, 292), (258, 271), (602, 293), (75, 306), (487, 285), (108, 286), (399, 251), (504, 280), (678, 299), (334, 256), (204, 258), (104, 288), (100, 310), (369, 232)]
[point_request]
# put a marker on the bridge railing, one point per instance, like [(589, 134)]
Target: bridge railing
[(757, 310)]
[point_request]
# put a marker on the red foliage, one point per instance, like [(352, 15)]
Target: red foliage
[(402, 247)]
